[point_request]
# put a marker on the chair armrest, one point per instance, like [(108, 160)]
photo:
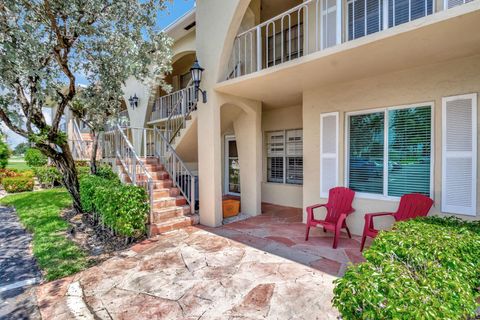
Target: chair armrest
[(310, 209), (369, 218), (315, 206), (378, 214)]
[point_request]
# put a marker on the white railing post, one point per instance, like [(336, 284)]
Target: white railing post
[(144, 143), (339, 21), (259, 48), (385, 14), (192, 194)]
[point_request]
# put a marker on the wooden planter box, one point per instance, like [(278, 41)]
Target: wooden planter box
[(230, 208)]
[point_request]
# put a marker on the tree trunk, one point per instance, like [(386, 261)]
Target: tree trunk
[(64, 162), (93, 157)]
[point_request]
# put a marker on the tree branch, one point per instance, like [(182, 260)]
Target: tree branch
[(11, 126)]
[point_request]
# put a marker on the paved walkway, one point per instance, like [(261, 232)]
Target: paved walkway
[(254, 269), (18, 270)]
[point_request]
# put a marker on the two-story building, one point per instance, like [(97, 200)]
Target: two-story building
[(376, 95)]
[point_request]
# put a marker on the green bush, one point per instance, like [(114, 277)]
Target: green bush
[(48, 176), (8, 173), (426, 268), (120, 207), (106, 172), (4, 154), (35, 158), (18, 184)]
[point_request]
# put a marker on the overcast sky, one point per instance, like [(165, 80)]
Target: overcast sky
[(176, 9)]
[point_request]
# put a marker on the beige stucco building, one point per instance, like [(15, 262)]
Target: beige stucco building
[(376, 95)]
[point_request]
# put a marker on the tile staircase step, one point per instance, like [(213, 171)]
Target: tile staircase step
[(165, 192), (162, 184), (166, 214), (169, 202), (173, 224)]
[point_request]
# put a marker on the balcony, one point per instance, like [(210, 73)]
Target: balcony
[(317, 25), (316, 46), (174, 104)]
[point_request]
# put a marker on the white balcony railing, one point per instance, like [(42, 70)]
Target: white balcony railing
[(315, 25), (166, 105)]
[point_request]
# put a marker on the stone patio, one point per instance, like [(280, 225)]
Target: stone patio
[(253, 269)]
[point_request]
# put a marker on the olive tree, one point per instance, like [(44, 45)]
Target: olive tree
[(45, 44)]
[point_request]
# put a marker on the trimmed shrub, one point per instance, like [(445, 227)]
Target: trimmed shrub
[(4, 154), (83, 171), (18, 184), (106, 172), (426, 268), (48, 176), (35, 158), (81, 163), (122, 208)]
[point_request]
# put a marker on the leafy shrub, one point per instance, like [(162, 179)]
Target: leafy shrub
[(106, 172), (8, 173), (18, 184), (4, 154), (426, 268), (83, 171), (48, 176), (120, 207), (35, 158)]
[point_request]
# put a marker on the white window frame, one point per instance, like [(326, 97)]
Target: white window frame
[(226, 151), (285, 156), (385, 195)]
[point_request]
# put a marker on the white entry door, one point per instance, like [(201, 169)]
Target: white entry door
[(232, 166)]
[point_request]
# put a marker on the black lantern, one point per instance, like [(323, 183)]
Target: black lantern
[(196, 72), (133, 101)]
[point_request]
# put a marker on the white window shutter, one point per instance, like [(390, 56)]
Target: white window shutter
[(328, 152), (459, 154)]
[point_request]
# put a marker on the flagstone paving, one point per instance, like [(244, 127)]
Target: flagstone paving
[(253, 269)]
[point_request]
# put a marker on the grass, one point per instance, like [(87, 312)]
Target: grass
[(17, 163), (39, 212)]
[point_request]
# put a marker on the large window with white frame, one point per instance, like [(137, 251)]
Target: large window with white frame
[(285, 156), (389, 151)]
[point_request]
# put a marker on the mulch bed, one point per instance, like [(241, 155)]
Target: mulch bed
[(99, 243)]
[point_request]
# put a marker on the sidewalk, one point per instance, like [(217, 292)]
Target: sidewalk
[(18, 269)]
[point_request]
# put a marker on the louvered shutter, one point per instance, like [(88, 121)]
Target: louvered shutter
[(275, 156), (453, 3), (328, 152), (459, 154)]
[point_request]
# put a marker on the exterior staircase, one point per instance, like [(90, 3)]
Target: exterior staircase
[(158, 169)]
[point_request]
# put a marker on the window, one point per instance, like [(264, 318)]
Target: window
[(402, 11), (292, 46), (285, 156), (364, 17), (389, 151)]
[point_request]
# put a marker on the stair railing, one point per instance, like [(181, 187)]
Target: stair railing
[(133, 165), (181, 176)]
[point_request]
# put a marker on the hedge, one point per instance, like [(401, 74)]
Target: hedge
[(122, 208), (17, 184), (426, 268), (48, 176), (35, 158)]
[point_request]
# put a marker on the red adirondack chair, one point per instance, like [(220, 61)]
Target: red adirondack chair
[(411, 206), (339, 206)]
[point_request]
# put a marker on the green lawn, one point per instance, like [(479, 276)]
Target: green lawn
[(39, 212), (17, 163)]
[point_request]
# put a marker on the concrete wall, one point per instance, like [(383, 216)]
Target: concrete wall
[(280, 119), (423, 84)]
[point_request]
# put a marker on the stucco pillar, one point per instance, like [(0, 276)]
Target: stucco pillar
[(248, 135), (209, 163)]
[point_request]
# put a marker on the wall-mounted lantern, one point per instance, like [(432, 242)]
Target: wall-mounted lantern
[(196, 72), (133, 101)]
